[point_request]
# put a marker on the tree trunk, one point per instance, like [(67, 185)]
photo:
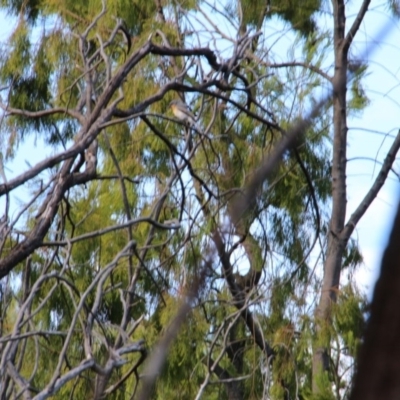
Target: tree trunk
[(378, 372), (336, 244)]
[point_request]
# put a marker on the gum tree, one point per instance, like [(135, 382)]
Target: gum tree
[(141, 234)]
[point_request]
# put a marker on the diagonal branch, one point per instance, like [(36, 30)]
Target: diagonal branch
[(356, 25), (374, 190), (65, 180)]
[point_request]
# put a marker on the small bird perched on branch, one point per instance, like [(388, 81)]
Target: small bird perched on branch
[(182, 112)]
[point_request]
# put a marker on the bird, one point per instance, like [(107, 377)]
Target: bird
[(182, 112)]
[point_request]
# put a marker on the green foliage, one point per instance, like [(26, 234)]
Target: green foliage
[(349, 318), (30, 9), (18, 57), (299, 15), (358, 97), (352, 257), (324, 387)]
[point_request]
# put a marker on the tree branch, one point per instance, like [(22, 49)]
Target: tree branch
[(374, 190), (356, 25), (311, 67)]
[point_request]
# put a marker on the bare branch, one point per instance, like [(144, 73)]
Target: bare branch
[(43, 113), (356, 24), (374, 190), (311, 67)]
